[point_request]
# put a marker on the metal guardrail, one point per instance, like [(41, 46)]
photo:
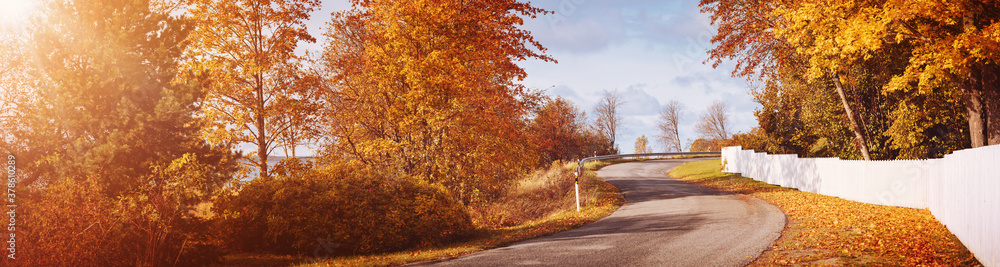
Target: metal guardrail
[(579, 166)]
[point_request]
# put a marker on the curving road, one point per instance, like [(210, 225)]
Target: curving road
[(664, 222)]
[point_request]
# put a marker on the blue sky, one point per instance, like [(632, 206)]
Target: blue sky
[(651, 50)]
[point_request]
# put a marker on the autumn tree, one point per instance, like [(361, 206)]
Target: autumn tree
[(714, 122), (797, 120), (303, 113), (642, 145), (823, 34), (107, 146), (954, 43), (670, 117), (259, 92), (746, 36), (704, 145), (558, 127), (608, 114), (596, 144), (934, 41), (429, 89), (865, 54), (562, 133), (930, 34)]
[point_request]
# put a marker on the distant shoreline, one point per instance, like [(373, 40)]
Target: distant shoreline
[(271, 161)]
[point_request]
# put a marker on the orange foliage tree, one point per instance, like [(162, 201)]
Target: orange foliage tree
[(258, 92), (429, 89), (955, 43), (704, 145), (557, 125), (561, 133)]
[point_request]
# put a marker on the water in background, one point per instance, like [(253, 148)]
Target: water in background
[(271, 161)]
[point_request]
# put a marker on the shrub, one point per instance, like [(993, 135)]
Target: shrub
[(66, 224), (338, 210), (72, 223)]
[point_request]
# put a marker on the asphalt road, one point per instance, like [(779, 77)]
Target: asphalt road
[(664, 222)]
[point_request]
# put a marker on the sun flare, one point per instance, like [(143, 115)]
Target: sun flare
[(16, 12)]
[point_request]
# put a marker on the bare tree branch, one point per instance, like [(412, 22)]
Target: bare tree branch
[(714, 122), (609, 117), (670, 118)]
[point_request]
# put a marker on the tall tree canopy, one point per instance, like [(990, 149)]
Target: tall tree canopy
[(900, 68), (104, 98), (430, 88), (106, 140)]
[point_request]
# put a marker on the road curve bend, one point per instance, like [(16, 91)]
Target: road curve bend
[(664, 222)]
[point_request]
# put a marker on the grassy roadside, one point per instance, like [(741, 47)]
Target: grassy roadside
[(825, 230), (598, 199)]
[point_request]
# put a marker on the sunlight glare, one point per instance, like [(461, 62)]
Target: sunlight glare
[(16, 12)]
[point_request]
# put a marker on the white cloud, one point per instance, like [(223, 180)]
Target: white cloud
[(651, 49), (590, 34), (658, 58), (637, 102)]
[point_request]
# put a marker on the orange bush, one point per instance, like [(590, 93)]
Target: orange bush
[(339, 210), (72, 223), (68, 224)]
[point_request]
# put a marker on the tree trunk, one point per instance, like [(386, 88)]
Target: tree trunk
[(991, 95), (972, 95), (972, 91), (858, 134), (974, 106), (261, 131)]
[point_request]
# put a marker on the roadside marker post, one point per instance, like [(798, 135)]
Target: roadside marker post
[(576, 183)]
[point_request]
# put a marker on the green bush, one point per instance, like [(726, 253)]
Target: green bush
[(338, 210)]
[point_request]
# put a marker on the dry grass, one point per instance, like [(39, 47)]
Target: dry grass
[(541, 204), (543, 193), (825, 230)]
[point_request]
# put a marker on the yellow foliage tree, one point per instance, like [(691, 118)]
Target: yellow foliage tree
[(259, 93), (825, 34), (642, 145), (956, 43), (428, 88), (952, 44), (900, 68)]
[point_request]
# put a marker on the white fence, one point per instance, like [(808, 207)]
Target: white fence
[(962, 189)]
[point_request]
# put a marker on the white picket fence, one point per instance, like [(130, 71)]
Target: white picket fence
[(962, 190)]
